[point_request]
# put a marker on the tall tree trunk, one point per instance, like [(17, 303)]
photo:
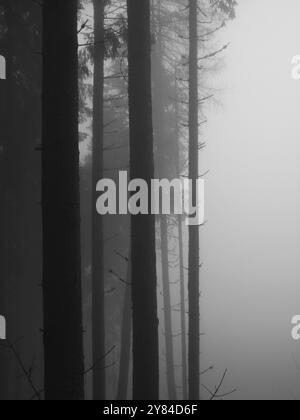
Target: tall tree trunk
[(182, 312), (163, 171), (98, 302), (20, 246), (3, 185), (194, 290), (63, 334), (144, 281), (181, 259), (126, 335), (167, 309), (15, 192)]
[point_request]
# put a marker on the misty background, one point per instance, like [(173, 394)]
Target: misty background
[(251, 245)]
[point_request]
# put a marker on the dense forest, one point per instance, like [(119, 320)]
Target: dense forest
[(103, 306)]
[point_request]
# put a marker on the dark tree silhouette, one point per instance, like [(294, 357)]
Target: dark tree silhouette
[(167, 309), (144, 282), (194, 259), (3, 185), (182, 312), (126, 335), (98, 304), (181, 258), (20, 224), (63, 343), (163, 170)]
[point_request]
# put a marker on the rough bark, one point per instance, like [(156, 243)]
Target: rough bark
[(98, 302), (194, 291), (144, 282), (63, 334)]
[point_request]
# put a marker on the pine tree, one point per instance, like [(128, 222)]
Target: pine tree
[(163, 171), (20, 245), (63, 342), (181, 258), (126, 338), (144, 282), (3, 185), (194, 259), (98, 303)]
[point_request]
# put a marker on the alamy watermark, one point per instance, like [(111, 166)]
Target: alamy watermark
[(178, 197), (2, 68), (295, 73), (2, 328), (296, 328)]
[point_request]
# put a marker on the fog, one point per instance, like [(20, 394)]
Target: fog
[(251, 245)]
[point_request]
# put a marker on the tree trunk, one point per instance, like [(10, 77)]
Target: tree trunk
[(144, 282), (163, 171), (14, 154), (167, 309), (98, 302), (126, 336), (63, 335), (181, 260), (20, 266), (194, 290), (182, 312), (3, 185)]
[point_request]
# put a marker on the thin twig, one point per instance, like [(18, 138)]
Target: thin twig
[(90, 369), (24, 370)]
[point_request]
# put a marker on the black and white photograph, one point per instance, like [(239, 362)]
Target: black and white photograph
[(149, 203)]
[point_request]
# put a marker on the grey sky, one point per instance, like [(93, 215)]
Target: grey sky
[(251, 246)]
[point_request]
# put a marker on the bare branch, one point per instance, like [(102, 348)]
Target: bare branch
[(27, 374)]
